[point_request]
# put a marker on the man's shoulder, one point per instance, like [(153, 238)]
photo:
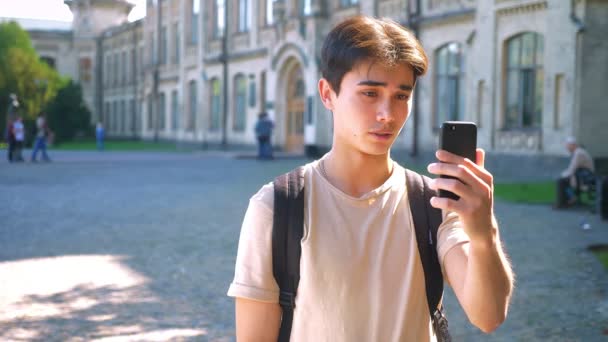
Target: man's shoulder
[(265, 194)]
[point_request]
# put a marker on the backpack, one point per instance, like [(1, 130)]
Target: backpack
[(288, 229)]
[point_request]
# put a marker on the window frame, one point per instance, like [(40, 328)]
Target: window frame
[(449, 81), (240, 103), (523, 82)]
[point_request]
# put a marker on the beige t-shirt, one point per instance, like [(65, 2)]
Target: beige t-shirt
[(361, 278)]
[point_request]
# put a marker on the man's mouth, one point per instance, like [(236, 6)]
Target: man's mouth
[(382, 135)]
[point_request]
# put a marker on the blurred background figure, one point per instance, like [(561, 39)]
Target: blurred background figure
[(42, 132), (11, 113), (580, 170), (263, 132), (19, 137), (99, 136)]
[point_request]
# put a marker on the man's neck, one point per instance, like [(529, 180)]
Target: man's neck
[(355, 173)]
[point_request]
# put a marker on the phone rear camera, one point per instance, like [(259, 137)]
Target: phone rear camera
[(453, 128)]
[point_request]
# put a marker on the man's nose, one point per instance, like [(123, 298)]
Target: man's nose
[(384, 112)]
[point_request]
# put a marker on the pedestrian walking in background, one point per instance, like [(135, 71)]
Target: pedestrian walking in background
[(19, 137), (11, 115), (263, 132), (10, 140), (42, 132), (99, 136)]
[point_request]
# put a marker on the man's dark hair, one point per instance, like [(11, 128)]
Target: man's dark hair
[(362, 38)]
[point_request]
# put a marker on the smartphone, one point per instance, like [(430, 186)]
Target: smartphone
[(458, 137)]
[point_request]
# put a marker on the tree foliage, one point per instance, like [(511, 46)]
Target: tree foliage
[(23, 73), (68, 115)]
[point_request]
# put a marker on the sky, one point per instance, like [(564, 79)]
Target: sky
[(53, 9)]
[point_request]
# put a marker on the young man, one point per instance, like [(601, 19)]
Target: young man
[(361, 273)]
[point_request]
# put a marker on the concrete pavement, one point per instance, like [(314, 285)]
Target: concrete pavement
[(126, 246)]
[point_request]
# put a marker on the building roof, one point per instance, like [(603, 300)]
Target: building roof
[(126, 3)]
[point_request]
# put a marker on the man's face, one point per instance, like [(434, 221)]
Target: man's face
[(372, 107), (571, 147)]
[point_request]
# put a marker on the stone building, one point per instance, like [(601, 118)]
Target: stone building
[(528, 72)]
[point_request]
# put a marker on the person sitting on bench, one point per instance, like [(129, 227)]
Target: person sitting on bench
[(581, 167)]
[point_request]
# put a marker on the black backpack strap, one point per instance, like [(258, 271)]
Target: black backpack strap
[(426, 223), (287, 232)]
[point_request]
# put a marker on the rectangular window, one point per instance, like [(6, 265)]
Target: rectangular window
[(270, 12), (348, 3), (479, 106), (219, 27), (305, 7), (123, 116), (115, 69), (123, 62), (193, 106), (174, 111), (252, 92), (106, 114), (107, 72), (557, 100), (114, 120), (244, 21), (240, 104), (162, 111), (177, 43), (85, 70), (150, 113), (194, 21), (152, 45), (449, 83), (263, 90), (163, 45), (133, 115), (216, 93)]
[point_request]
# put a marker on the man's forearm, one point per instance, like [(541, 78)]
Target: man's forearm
[(488, 283)]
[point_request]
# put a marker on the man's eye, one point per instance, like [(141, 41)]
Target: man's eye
[(370, 93), (403, 97)]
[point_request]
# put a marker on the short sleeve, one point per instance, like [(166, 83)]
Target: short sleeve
[(449, 235), (253, 276)]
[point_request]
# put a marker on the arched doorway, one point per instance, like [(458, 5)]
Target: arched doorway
[(296, 106)]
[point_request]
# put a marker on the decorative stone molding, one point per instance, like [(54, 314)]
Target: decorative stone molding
[(531, 6), (289, 46), (518, 140)]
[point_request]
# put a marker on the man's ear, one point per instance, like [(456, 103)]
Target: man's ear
[(327, 94)]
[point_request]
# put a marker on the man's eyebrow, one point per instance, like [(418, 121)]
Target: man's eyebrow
[(371, 83)]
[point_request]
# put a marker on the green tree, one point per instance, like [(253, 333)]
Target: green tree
[(23, 73), (68, 115)]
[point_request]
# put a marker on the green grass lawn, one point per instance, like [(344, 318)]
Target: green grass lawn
[(117, 145), (532, 193), (603, 256), (601, 252)]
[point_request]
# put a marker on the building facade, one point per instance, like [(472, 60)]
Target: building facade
[(528, 72)]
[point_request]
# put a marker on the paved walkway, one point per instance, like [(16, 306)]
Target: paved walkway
[(141, 247)]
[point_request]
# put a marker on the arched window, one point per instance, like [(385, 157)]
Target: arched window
[(524, 81), (449, 83), (240, 103), (216, 98)]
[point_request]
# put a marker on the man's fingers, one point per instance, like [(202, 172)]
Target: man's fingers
[(481, 157)]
